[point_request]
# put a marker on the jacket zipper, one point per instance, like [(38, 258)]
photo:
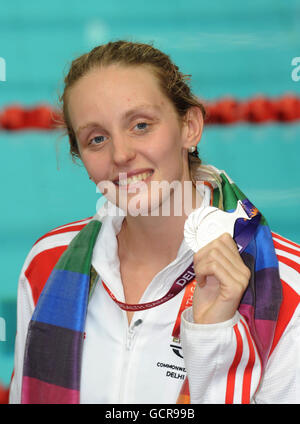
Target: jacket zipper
[(129, 339)]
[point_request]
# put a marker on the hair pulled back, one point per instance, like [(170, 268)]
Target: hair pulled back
[(173, 83)]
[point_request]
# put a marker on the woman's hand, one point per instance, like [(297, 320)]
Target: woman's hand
[(222, 279)]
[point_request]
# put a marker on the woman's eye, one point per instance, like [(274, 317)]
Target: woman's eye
[(142, 126), (98, 139)]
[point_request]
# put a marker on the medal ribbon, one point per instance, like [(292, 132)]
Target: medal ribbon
[(244, 231), (178, 285)]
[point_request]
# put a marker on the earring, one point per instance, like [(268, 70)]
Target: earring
[(192, 149)]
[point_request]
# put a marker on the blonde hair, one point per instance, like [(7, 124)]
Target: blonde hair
[(173, 83)]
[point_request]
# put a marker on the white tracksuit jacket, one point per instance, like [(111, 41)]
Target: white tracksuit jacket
[(141, 363)]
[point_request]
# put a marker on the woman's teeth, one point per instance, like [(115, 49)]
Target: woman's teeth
[(134, 178)]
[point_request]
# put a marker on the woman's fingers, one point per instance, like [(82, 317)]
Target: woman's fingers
[(231, 286), (222, 279), (214, 260), (222, 251)]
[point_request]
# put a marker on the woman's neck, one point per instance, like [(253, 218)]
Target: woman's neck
[(153, 239), (157, 239)]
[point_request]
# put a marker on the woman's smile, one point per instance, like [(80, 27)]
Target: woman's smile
[(128, 181)]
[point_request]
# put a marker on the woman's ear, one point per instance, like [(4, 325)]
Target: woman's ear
[(192, 126)]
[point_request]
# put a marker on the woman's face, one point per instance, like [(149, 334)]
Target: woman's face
[(126, 127)]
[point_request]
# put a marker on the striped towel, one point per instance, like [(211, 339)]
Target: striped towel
[(53, 351), (261, 301)]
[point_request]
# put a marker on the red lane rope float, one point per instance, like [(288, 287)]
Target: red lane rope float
[(257, 110), (16, 117), (4, 394)]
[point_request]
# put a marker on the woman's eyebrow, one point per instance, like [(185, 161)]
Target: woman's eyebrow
[(139, 109), (88, 125), (126, 115)]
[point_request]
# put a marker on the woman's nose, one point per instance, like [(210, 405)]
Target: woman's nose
[(122, 150)]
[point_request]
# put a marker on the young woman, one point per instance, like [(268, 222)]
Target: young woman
[(118, 308)]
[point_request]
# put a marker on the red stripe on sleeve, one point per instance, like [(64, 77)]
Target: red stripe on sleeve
[(40, 269), (233, 367), (289, 304), (249, 368), (289, 262), (284, 239), (62, 230), (286, 248)]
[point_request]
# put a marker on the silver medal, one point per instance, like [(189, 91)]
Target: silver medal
[(206, 224)]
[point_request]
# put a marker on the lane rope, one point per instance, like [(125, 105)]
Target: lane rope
[(228, 110)]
